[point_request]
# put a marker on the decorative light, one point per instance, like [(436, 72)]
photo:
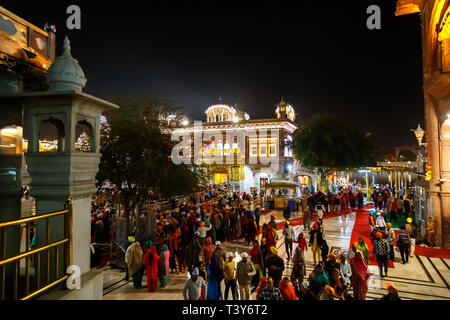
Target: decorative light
[(235, 119), (419, 133), (185, 122)]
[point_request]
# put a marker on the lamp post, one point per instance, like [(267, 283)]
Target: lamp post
[(419, 133)]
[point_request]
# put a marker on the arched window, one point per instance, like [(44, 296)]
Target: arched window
[(84, 141), (51, 135)]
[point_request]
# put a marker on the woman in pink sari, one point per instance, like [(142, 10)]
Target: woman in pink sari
[(360, 276)]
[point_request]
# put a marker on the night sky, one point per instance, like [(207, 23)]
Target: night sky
[(319, 55)]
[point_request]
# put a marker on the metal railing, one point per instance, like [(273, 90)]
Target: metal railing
[(26, 291)]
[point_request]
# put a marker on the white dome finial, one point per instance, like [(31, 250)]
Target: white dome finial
[(65, 73), (67, 47)]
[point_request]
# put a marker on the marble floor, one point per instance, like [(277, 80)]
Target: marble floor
[(421, 279)]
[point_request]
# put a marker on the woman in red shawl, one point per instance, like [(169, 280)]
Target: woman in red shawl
[(287, 290), (302, 243), (270, 241), (151, 263), (360, 276)]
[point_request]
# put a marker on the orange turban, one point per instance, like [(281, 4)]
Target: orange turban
[(329, 290), (208, 239), (378, 235), (263, 240), (202, 224), (391, 288), (331, 256)]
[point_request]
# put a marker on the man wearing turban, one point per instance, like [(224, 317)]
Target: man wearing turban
[(134, 260), (392, 294), (275, 266), (381, 251)]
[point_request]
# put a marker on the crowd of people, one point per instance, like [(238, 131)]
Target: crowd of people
[(189, 238)]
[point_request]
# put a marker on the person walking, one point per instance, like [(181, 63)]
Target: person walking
[(286, 212), (287, 290), (289, 236), (390, 240), (412, 235), (307, 218), (134, 258), (270, 292), (151, 263), (229, 270), (193, 286), (362, 246), (163, 265), (257, 258), (381, 251), (215, 277), (220, 255), (380, 222), (393, 209), (315, 241), (244, 273), (299, 267), (193, 252), (403, 243), (431, 232), (360, 275), (275, 266), (207, 251), (345, 269)]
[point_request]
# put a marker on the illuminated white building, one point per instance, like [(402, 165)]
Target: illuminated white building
[(247, 153)]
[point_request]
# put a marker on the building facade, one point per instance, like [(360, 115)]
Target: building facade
[(246, 153), (435, 15)]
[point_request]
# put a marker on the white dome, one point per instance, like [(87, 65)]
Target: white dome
[(65, 73)]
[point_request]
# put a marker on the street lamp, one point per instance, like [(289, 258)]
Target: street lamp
[(419, 133)]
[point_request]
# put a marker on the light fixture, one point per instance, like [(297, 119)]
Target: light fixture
[(419, 133)]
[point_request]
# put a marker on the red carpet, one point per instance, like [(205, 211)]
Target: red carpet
[(299, 221), (361, 229), (264, 212), (432, 252)]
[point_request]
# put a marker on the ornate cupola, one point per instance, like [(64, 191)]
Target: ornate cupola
[(65, 73), (285, 110)]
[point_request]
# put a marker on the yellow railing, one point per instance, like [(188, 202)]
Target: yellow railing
[(26, 290)]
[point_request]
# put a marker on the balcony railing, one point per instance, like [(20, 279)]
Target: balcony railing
[(33, 285)]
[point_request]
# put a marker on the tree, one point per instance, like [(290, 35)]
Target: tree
[(324, 143), (136, 153), (83, 144)]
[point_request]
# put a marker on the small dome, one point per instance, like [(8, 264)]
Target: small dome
[(65, 73)]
